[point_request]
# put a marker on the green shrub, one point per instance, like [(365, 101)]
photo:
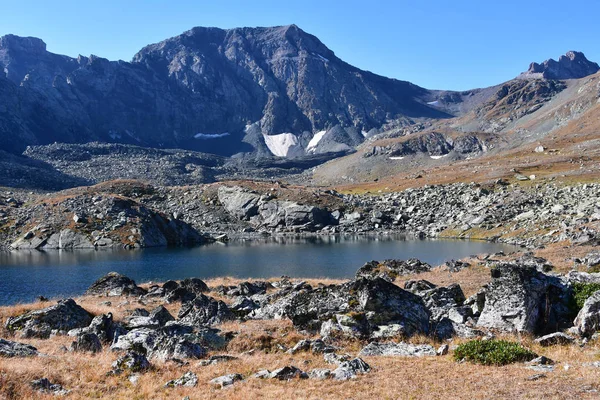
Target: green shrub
[(492, 352), (581, 292)]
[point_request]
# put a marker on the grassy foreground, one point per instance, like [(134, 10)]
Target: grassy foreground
[(260, 345)]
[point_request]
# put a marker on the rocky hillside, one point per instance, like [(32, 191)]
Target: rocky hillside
[(267, 91)]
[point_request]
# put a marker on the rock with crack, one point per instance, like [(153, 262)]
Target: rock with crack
[(114, 284), (15, 349), (397, 349), (189, 379), (204, 310), (62, 317), (520, 298), (239, 202), (449, 315)]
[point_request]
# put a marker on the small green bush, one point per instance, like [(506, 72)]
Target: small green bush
[(493, 352), (581, 292)]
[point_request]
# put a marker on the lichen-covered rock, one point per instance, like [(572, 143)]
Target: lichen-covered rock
[(363, 303), (204, 310), (522, 299), (160, 344), (62, 317)]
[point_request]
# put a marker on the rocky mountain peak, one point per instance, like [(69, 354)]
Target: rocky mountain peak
[(572, 65), (30, 45)]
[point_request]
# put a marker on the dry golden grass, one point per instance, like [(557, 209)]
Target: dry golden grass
[(261, 344)]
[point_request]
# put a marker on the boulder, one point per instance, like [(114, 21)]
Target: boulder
[(365, 303), (226, 380), (287, 373), (556, 338), (15, 349), (114, 284), (104, 327), (161, 344), (523, 299), (189, 379), (87, 342), (161, 315), (587, 321), (62, 317), (397, 349), (204, 310), (132, 361), (239, 202)]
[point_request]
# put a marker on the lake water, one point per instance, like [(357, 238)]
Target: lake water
[(24, 275)]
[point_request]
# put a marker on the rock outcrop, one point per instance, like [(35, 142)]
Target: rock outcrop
[(572, 65), (62, 317), (522, 299)]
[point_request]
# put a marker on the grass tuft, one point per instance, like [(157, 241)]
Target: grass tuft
[(493, 352)]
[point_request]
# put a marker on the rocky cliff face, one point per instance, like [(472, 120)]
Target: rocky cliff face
[(573, 65), (261, 90)]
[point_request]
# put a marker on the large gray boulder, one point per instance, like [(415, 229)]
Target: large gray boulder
[(520, 298), (204, 310), (159, 344), (588, 318), (366, 303), (239, 202), (62, 317)]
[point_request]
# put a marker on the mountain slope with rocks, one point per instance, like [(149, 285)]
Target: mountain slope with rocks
[(208, 89)]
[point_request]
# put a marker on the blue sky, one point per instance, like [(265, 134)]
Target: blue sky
[(438, 44)]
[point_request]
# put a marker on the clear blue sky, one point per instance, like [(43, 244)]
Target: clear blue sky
[(438, 44)]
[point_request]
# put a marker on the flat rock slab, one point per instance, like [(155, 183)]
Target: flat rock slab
[(397, 349)]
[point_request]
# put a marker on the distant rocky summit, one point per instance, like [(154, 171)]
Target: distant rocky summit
[(573, 65)]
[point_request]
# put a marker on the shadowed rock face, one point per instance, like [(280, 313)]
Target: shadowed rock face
[(200, 90), (572, 65)]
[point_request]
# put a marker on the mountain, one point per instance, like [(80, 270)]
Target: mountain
[(573, 65), (262, 91)]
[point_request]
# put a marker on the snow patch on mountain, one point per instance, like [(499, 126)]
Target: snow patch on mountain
[(207, 136), (312, 145), (284, 145)]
